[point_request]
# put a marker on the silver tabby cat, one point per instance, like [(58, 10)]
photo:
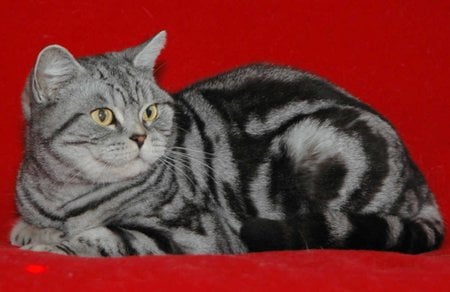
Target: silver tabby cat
[(260, 158)]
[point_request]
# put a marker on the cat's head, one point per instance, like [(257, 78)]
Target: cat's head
[(103, 116)]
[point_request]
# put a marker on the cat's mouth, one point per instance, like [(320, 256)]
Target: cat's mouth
[(119, 170), (118, 159), (120, 164)]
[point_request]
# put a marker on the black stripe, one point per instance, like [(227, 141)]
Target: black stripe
[(306, 231), (162, 171), (137, 199), (374, 147), (125, 100), (42, 169), (145, 182), (110, 85), (438, 235), (160, 237), (126, 238), (113, 88), (189, 216), (413, 238), (187, 169), (234, 201), (258, 89), (65, 126), (183, 125), (169, 194), (298, 187), (76, 143), (74, 175), (129, 72), (137, 89), (208, 147), (247, 158), (102, 76), (101, 250), (56, 133), (41, 210), (94, 204), (148, 186), (369, 231), (96, 188), (102, 98), (66, 249)]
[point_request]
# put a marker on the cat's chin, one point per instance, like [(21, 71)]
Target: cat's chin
[(98, 170), (106, 173), (107, 168)]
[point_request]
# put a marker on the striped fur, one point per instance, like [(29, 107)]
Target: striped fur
[(260, 158)]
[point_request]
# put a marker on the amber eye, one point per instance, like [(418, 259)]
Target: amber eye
[(103, 116), (150, 113)]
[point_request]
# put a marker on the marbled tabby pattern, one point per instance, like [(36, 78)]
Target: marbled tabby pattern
[(260, 158)]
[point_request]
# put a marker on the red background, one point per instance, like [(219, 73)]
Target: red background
[(392, 54)]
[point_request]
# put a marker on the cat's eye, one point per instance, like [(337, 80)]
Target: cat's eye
[(103, 116), (151, 113)]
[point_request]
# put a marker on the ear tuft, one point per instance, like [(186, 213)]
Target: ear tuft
[(55, 66), (144, 56)]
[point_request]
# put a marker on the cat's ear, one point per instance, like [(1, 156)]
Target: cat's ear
[(55, 66), (144, 56)]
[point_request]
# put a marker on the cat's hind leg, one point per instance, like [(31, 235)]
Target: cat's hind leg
[(345, 231)]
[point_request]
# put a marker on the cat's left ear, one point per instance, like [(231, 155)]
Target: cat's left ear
[(55, 66), (144, 56)]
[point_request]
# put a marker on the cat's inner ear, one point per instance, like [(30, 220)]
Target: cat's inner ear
[(55, 66), (144, 56)]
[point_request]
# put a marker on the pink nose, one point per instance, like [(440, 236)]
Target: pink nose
[(139, 139)]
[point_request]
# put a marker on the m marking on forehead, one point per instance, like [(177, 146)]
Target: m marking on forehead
[(122, 94), (117, 91)]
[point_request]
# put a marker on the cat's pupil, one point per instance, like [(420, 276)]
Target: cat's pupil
[(148, 111), (101, 115)]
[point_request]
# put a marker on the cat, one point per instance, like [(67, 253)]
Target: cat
[(260, 158)]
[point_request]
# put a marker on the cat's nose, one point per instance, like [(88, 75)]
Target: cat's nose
[(139, 139)]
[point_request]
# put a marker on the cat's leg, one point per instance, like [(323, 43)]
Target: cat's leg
[(344, 231), (24, 234), (113, 241)]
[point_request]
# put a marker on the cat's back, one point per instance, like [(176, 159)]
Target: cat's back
[(258, 89), (259, 92)]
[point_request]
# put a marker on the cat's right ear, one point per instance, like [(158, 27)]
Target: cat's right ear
[(55, 66), (144, 56)]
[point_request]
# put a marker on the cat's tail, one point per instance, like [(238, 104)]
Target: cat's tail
[(422, 233)]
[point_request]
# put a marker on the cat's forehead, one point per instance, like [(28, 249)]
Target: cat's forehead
[(121, 79), (110, 67)]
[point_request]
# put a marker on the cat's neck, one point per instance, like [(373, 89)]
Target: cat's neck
[(61, 190), (42, 181)]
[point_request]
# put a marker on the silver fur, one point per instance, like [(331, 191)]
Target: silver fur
[(89, 190)]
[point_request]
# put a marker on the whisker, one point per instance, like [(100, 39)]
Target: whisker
[(162, 64), (179, 128), (171, 163), (184, 161), (187, 156), (194, 150)]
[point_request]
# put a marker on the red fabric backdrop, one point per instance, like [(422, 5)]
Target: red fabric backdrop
[(392, 54)]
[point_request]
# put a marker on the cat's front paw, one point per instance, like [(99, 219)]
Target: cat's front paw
[(47, 248), (25, 234)]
